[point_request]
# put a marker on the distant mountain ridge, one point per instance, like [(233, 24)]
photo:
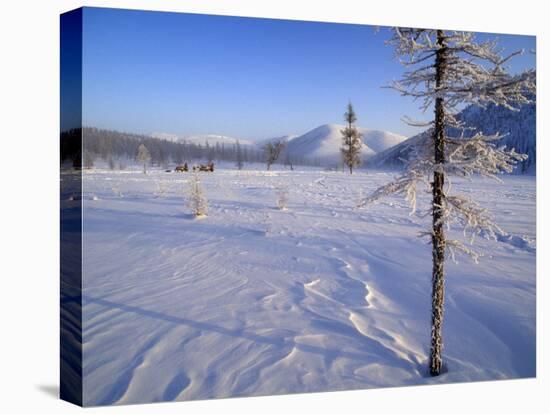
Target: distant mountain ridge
[(520, 127), (321, 144)]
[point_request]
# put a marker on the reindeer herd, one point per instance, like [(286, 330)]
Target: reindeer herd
[(201, 168)]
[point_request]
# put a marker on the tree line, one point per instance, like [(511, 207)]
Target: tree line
[(83, 146)]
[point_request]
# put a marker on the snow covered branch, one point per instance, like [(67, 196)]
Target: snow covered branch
[(477, 72)]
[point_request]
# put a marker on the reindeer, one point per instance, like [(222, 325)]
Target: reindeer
[(204, 168), (182, 168)]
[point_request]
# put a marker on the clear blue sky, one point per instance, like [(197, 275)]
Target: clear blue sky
[(243, 77)]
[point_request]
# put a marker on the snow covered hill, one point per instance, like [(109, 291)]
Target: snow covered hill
[(519, 125), (324, 143)]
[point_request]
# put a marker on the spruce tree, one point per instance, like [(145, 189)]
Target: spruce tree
[(351, 141)]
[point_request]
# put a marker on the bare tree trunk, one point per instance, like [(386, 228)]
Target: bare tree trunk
[(438, 236)]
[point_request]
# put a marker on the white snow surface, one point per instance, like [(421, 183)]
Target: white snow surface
[(325, 141), (253, 300)]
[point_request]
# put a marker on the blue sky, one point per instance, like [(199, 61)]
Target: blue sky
[(248, 78)]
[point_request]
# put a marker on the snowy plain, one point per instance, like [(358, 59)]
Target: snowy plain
[(253, 300)]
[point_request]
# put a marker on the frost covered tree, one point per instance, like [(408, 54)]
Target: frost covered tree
[(239, 155), (196, 199), (351, 141), (272, 151), (282, 197), (143, 156), (449, 70)]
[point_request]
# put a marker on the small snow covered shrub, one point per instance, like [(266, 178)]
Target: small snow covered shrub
[(160, 188), (116, 190), (197, 201), (282, 198)]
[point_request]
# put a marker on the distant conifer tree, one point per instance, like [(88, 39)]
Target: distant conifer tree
[(351, 141), (239, 155)]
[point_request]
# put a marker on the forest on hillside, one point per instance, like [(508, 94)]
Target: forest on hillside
[(87, 145)]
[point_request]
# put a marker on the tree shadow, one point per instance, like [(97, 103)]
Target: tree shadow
[(366, 357)]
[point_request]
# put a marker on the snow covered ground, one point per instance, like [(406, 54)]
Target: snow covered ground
[(253, 300)]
